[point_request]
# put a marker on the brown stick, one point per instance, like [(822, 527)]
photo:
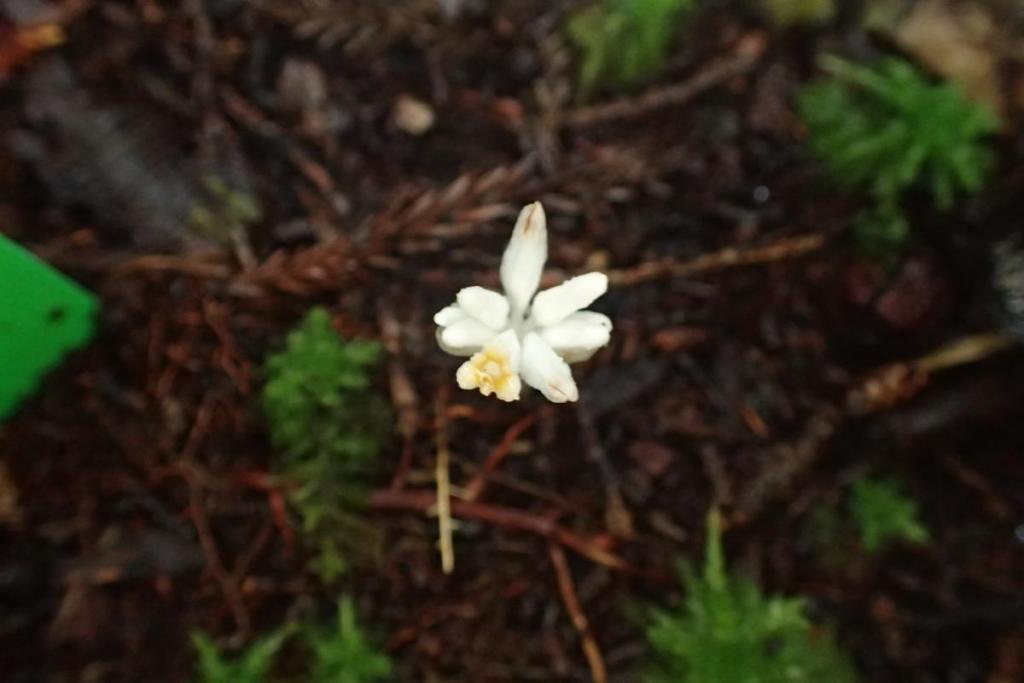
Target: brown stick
[(275, 492), (748, 54), (572, 605), (731, 257), (193, 477), (441, 474), (881, 390), (214, 561), (479, 482), (515, 520), (201, 266)]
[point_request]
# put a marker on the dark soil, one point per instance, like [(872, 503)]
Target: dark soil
[(140, 509)]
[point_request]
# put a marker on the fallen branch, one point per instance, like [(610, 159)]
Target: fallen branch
[(572, 605), (731, 257), (444, 497), (786, 464), (513, 520), (477, 485), (747, 55)]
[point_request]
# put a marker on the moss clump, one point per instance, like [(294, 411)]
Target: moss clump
[(883, 514), (328, 424), (728, 631), (624, 42)]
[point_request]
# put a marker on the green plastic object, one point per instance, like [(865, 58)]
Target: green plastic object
[(43, 316)]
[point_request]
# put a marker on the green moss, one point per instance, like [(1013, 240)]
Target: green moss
[(338, 653), (886, 128), (881, 230), (328, 425), (624, 42), (729, 632), (342, 653), (252, 665), (883, 514), (222, 211)]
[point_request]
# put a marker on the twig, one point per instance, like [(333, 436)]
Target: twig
[(477, 485), (229, 358), (403, 393), (748, 54), (572, 604), (992, 501), (214, 562), (193, 476), (202, 80), (250, 116), (202, 266), (200, 428), (969, 349), (787, 463), (444, 510), (731, 257), (514, 520), (404, 465), (513, 483), (896, 383), (880, 390), (262, 481), (243, 564), (617, 517)]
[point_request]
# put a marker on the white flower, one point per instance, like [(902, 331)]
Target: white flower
[(510, 341)]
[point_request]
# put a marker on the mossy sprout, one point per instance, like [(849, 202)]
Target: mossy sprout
[(223, 211), (881, 230), (343, 653), (624, 42), (883, 514), (887, 128), (728, 631), (251, 665), (340, 652), (328, 424)]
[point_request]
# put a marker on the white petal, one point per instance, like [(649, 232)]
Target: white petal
[(546, 372), (449, 315), (579, 336), (524, 257), (494, 370), (556, 304), (507, 346), (488, 307), (455, 350), (466, 333)]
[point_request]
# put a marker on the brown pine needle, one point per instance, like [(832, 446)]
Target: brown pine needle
[(479, 482), (572, 604)]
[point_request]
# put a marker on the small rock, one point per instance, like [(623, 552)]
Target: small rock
[(302, 86), (304, 93), (412, 116)]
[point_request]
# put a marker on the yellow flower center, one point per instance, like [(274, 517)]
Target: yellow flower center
[(489, 371)]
